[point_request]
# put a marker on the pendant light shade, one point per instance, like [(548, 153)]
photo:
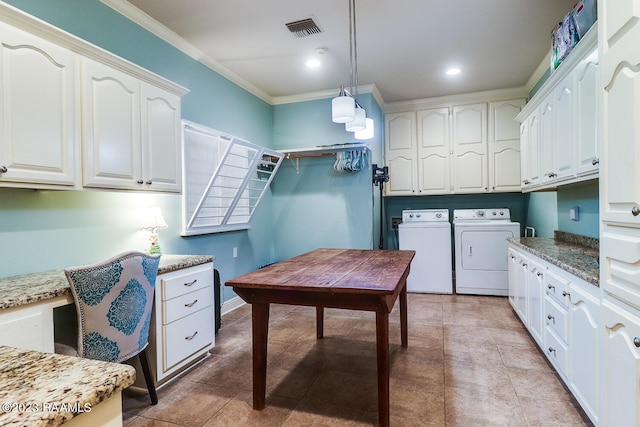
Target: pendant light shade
[(343, 108), (359, 122), (368, 132)]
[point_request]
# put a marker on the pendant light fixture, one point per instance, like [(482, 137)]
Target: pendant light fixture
[(345, 107)]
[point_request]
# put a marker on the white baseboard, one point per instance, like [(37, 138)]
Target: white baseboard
[(232, 304)]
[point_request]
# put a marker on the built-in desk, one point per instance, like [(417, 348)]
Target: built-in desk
[(30, 372)]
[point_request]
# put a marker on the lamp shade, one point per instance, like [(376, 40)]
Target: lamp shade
[(342, 108), (153, 219), (359, 122), (368, 132)]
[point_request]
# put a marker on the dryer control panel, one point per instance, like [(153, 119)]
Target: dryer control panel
[(496, 214)]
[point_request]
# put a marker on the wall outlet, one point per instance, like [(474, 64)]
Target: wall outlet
[(574, 213), (395, 221), (235, 252)]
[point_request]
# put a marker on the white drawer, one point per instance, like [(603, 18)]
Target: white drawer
[(556, 352), (181, 282), (187, 336), (186, 304), (555, 317), (557, 287)]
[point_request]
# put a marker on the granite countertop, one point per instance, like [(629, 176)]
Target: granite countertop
[(46, 389), (577, 255), (28, 288)]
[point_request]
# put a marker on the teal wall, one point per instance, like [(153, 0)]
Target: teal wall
[(584, 196), (542, 213), (42, 230), (314, 205)]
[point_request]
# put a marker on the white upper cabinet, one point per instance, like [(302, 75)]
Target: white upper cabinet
[(434, 149), (400, 153), (470, 148), (505, 143), (131, 132), (112, 143), (564, 110), (161, 136), (454, 149), (39, 117)]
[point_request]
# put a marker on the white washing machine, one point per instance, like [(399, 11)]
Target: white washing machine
[(428, 232), (480, 239)]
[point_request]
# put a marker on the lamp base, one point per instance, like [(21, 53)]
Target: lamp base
[(154, 250)]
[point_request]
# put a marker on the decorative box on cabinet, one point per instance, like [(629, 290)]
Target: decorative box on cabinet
[(183, 323), (39, 112), (131, 132)]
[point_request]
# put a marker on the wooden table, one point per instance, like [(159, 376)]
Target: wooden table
[(368, 280)]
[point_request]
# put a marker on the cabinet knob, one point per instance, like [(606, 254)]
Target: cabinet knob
[(552, 350), (524, 264), (539, 274), (552, 175), (595, 161), (550, 317), (635, 210), (636, 342), (149, 182), (526, 182), (140, 181), (551, 287), (3, 169), (565, 294)]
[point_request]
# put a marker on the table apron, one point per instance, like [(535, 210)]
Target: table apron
[(344, 300)]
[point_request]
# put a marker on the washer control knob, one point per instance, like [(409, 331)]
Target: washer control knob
[(494, 213), (480, 213), (439, 215), (502, 213), (410, 215)]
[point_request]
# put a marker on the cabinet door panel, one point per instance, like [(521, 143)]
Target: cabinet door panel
[(504, 146), (587, 117), (620, 263), (38, 110), (535, 300), (620, 16), (111, 134), (564, 133), (161, 152), (621, 366), (547, 140), (470, 148), (434, 151), (403, 171), (400, 153)]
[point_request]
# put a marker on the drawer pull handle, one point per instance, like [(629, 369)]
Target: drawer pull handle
[(192, 304), (539, 274), (552, 350), (192, 336), (565, 294), (551, 287), (3, 169), (636, 342), (140, 181), (635, 210), (524, 264), (191, 283), (595, 162), (550, 317)]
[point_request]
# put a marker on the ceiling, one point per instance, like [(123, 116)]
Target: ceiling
[(403, 46)]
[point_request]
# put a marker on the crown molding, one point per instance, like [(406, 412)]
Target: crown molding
[(147, 22)]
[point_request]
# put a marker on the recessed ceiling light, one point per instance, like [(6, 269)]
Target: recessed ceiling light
[(313, 63), (453, 71)]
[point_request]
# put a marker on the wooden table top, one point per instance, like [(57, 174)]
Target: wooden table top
[(337, 270)]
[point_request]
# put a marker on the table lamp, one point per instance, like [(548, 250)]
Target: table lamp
[(152, 221)]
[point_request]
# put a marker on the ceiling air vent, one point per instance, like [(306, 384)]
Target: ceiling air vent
[(303, 28)]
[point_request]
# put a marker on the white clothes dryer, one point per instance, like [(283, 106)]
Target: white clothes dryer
[(428, 232), (480, 240)]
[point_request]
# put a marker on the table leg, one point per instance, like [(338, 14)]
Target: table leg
[(260, 328), (404, 336), (319, 322), (382, 344)]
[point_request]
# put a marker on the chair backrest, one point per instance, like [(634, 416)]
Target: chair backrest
[(114, 300)]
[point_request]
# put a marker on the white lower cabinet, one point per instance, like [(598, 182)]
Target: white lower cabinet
[(584, 332), (182, 327), (563, 315), (621, 366)]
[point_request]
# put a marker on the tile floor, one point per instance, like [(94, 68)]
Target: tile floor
[(469, 362)]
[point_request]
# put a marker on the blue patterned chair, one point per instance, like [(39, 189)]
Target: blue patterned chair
[(113, 301)]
